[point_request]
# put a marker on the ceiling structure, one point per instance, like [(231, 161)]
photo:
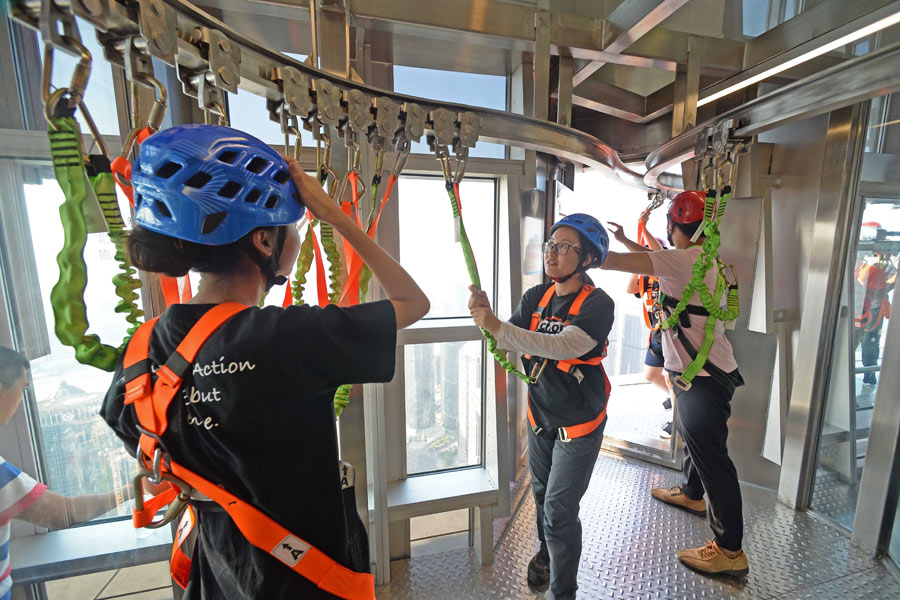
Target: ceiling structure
[(642, 71)]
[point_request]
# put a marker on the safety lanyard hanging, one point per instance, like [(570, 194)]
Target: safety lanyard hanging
[(67, 153), (451, 182)]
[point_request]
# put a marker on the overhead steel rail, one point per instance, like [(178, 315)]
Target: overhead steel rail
[(212, 58), (858, 79)]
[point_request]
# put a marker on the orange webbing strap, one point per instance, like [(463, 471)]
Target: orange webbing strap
[(573, 431), (170, 291), (356, 266), (536, 315), (180, 562), (351, 209), (267, 535), (152, 402)]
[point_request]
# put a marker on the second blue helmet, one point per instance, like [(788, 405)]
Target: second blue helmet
[(211, 185), (592, 231)]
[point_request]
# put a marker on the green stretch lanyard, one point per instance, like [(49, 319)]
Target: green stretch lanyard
[(329, 247), (126, 281), (469, 256), (711, 300), (67, 296)]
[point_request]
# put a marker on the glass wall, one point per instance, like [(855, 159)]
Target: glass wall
[(867, 299), (474, 89), (637, 409), (444, 381)]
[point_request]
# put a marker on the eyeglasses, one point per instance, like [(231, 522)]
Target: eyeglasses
[(561, 249)]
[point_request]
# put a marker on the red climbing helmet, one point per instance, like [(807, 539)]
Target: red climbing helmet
[(687, 207)]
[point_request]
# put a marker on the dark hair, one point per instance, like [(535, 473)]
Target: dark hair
[(688, 229), (12, 366), (158, 253), (587, 247)]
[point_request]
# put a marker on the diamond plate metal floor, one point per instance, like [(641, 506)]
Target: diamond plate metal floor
[(630, 541)]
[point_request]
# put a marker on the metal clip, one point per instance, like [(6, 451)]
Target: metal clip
[(537, 370), (175, 507), (563, 435)]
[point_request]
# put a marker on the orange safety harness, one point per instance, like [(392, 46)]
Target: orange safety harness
[(569, 366), (648, 287), (151, 401)]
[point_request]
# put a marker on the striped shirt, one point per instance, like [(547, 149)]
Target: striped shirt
[(18, 491)]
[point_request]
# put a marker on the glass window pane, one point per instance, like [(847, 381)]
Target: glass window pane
[(488, 91), (443, 406), (99, 95), (248, 112), (428, 248), (81, 452), (859, 341), (636, 410)]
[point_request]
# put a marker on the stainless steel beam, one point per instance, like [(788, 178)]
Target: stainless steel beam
[(814, 23), (790, 49), (631, 20), (853, 81), (845, 137)]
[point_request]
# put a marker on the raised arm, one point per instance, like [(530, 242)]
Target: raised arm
[(410, 302), (652, 242), (629, 262)]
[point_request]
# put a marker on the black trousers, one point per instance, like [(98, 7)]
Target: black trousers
[(703, 413)]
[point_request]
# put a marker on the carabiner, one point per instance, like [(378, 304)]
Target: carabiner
[(77, 85), (537, 370), (733, 283), (174, 509), (462, 158), (222, 114)]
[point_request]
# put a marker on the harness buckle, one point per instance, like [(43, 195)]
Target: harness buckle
[(682, 383), (167, 377), (536, 429), (563, 434)]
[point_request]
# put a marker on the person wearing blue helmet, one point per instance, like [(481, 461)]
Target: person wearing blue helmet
[(561, 327), (254, 412)]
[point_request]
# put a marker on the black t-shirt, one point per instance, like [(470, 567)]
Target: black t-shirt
[(557, 399), (256, 415)]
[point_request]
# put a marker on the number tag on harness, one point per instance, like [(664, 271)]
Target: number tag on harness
[(457, 226), (290, 550)]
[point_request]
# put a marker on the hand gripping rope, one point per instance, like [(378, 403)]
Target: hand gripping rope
[(714, 210), (67, 296), (452, 182)]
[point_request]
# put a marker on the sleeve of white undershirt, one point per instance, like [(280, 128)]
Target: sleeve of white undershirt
[(570, 343)]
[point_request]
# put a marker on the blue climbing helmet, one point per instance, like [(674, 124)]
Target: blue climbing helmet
[(592, 231), (211, 185)]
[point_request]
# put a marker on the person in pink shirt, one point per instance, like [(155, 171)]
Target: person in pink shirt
[(22, 497), (704, 408)]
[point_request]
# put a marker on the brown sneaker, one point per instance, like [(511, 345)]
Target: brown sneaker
[(675, 496), (712, 560)]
